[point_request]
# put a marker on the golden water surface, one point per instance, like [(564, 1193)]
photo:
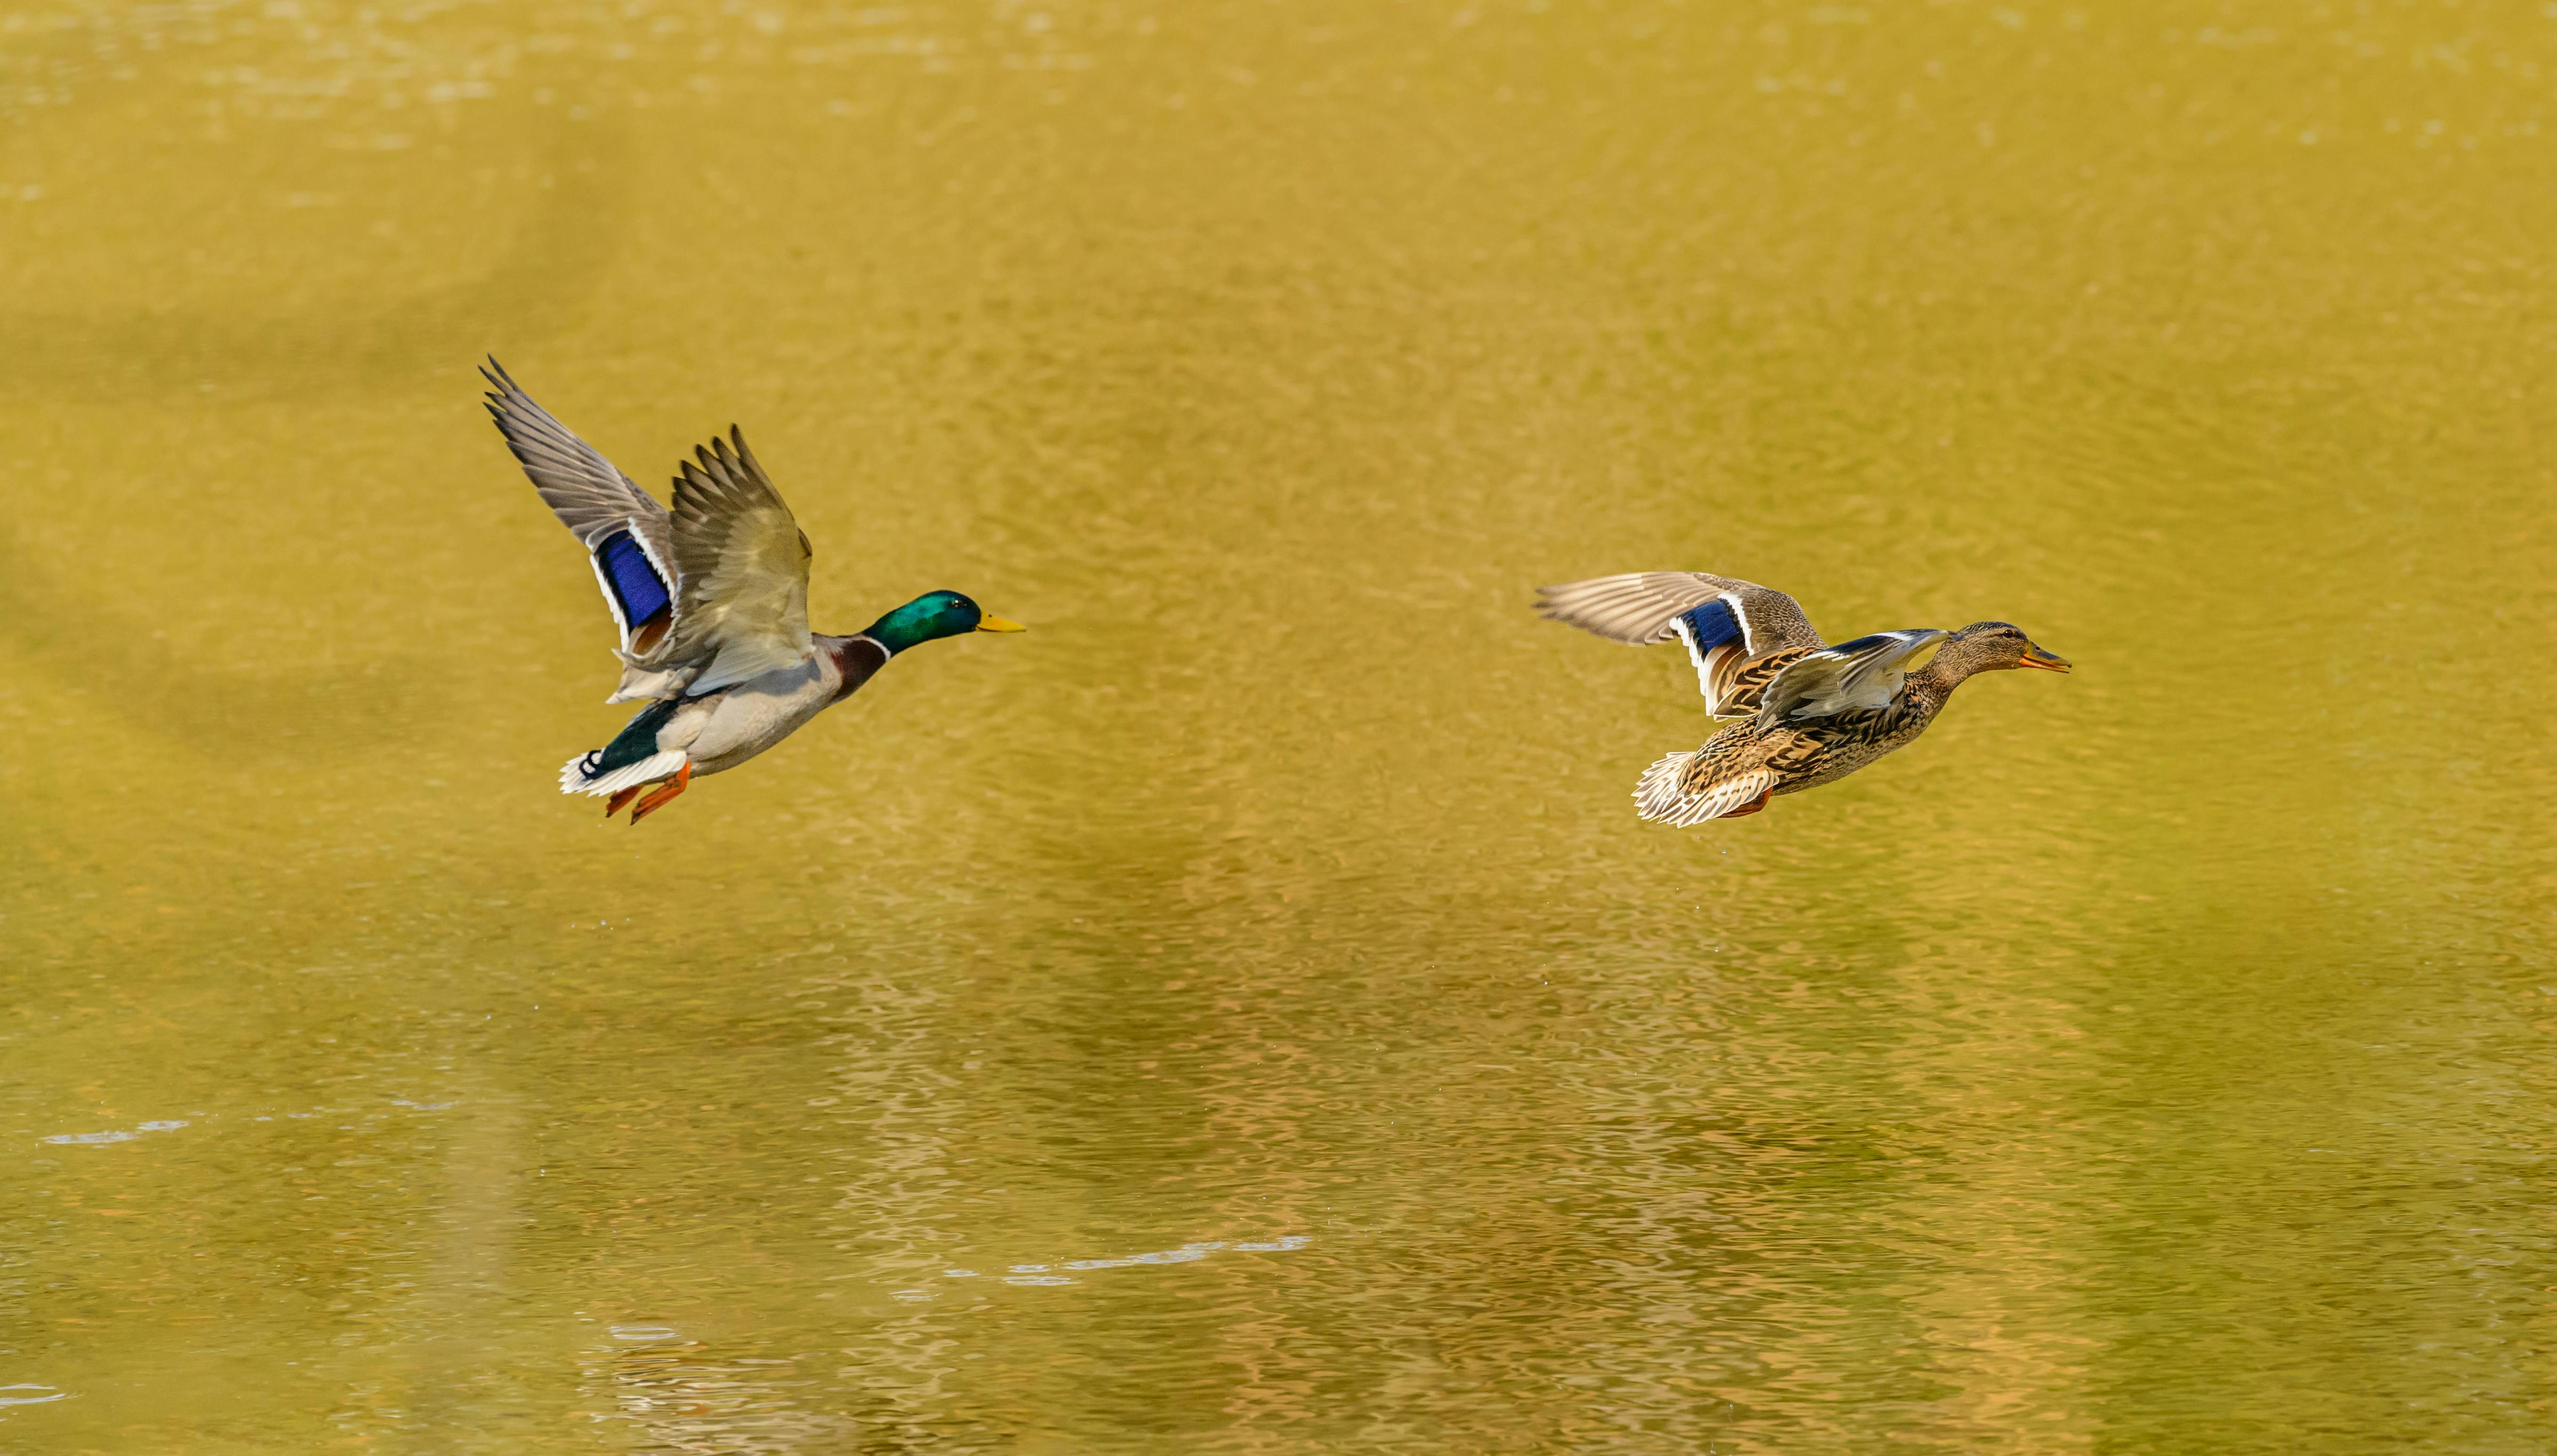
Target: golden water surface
[(1244, 1013)]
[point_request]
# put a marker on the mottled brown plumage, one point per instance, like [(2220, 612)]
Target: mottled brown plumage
[(1739, 768), (1815, 713)]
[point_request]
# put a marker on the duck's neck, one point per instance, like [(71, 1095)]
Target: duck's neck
[(855, 660), (1930, 685)]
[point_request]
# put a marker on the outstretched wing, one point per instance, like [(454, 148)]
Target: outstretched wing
[(623, 529), (1865, 673), (1725, 622), (741, 571)]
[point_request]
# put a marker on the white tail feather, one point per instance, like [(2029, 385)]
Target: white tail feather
[(1663, 797), (573, 779), (1657, 796)]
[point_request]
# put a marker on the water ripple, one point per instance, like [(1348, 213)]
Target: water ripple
[(1044, 1274), (95, 1139)]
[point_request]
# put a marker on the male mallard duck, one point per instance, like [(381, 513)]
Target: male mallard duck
[(1815, 713), (712, 606)]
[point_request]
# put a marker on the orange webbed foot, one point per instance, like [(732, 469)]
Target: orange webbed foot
[(663, 796), (617, 802)]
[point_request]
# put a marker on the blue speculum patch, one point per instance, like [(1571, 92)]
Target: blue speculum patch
[(1714, 623), (633, 581)]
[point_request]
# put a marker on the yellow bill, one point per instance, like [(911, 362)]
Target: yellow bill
[(994, 624)]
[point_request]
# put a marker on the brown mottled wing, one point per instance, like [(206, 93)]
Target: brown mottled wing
[(1725, 622), (741, 571), (1739, 683)]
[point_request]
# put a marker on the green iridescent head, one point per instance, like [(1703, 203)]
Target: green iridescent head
[(934, 615)]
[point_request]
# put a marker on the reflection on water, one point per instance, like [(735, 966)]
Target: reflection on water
[(678, 1398), (117, 1135), (1249, 1016), (1044, 1274)]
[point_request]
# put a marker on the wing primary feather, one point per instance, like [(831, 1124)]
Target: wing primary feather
[(1639, 608), (742, 568), (596, 502)]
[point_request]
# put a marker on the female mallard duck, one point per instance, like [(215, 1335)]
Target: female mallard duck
[(1814, 713), (713, 605)]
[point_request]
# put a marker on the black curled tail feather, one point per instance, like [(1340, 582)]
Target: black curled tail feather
[(637, 740)]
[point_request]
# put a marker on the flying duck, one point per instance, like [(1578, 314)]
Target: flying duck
[(711, 601), (1809, 712)]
